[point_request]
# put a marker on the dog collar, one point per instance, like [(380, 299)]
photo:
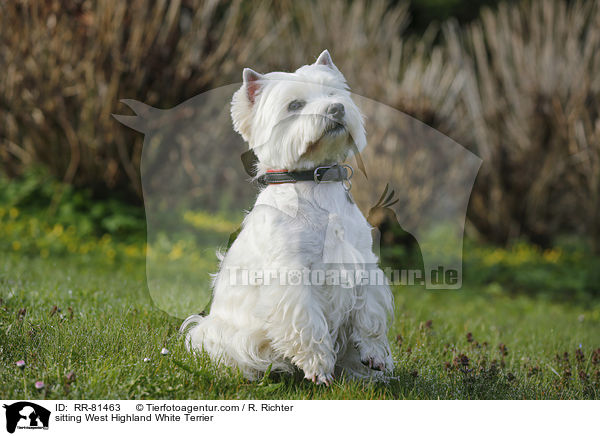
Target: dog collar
[(327, 173)]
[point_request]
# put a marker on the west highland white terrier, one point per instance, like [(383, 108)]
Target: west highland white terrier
[(278, 299)]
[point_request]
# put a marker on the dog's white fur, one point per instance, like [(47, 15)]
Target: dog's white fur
[(298, 226)]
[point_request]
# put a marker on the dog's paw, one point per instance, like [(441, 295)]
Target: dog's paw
[(376, 356), (320, 379), (373, 363)]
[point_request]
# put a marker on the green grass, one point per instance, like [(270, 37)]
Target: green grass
[(94, 345)]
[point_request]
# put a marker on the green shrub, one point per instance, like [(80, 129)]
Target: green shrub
[(48, 202)]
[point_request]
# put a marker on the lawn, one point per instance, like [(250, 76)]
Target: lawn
[(86, 327)]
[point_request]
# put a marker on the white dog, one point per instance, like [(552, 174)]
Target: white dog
[(303, 227)]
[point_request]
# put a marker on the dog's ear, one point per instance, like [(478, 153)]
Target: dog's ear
[(252, 83), (325, 59), (243, 100)]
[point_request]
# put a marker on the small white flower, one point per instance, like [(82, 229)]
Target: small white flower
[(146, 359), (164, 351)]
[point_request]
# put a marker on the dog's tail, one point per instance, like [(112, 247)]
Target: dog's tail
[(188, 326)]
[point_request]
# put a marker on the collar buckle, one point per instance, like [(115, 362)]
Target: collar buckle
[(344, 173)]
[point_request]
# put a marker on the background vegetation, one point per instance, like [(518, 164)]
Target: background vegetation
[(519, 86), (517, 83)]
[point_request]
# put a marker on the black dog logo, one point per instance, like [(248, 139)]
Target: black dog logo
[(31, 414)]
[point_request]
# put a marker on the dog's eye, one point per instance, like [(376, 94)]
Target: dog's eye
[(296, 105)]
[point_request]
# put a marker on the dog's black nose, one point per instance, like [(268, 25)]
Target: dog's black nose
[(336, 110)]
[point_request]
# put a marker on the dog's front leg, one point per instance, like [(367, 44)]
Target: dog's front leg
[(298, 329), (370, 323)]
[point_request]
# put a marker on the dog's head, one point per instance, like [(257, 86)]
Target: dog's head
[(298, 120)]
